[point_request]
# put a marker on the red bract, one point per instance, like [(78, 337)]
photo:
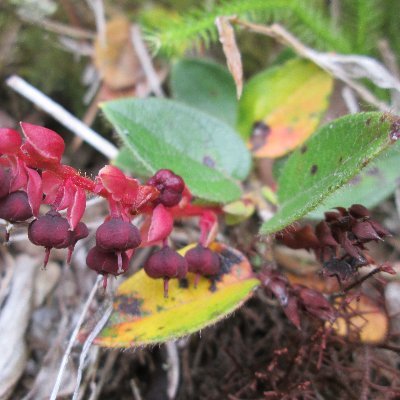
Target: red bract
[(43, 146), (10, 141)]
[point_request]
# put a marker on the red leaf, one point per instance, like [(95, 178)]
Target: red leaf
[(114, 181), (42, 144), (34, 190), (77, 208), (10, 141), (161, 225), (50, 184), (19, 174)]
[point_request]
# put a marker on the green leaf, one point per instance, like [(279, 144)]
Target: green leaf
[(143, 316), (207, 86), (329, 159), (206, 152), (127, 162), (374, 184), (290, 100)]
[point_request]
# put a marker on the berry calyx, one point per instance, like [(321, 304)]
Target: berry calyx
[(166, 264), (203, 261), (50, 231), (15, 207), (5, 182), (169, 185), (104, 263)]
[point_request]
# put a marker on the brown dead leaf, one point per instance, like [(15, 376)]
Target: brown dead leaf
[(116, 59), (231, 51), (366, 321)]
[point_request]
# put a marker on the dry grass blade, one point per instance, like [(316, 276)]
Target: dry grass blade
[(231, 51)]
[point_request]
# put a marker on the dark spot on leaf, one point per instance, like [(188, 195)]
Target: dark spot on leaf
[(303, 149), (395, 130), (183, 283), (368, 122), (228, 260), (356, 180), (373, 171), (259, 135), (365, 162), (208, 161), (160, 308), (160, 328), (314, 169), (129, 305), (340, 159)]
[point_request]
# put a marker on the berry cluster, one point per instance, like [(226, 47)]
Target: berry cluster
[(339, 240), (168, 264), (32, 175)]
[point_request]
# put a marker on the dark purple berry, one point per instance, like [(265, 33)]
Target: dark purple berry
[(5, 182), (166, 264), (117, 235), (203, 261), (50, 231), (169, 185), (104, 262), (15, 207)]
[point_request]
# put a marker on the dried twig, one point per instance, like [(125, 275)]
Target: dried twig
[(73, 338), (333, 63), (173, 369), (62, 115), (145, 61), (86, 347)]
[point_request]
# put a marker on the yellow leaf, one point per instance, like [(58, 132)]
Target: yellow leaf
[(286, 104), (143, 316), (366, 321), (239, 210)]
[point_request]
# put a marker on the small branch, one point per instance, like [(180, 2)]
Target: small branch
[(86, 347), (323, 60), (173, 369), (97, 7), (62, 115), (145, 61), (74, 335)]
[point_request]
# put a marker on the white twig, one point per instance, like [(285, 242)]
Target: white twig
[(62, 115), (88, 343), (99, 15), (64, 360), (350, 100), (173, 369), (145, 61)]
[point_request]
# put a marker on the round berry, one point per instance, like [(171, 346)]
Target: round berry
[(166, 264), (5, 182), (15, 207), (117, 235), (50, 230), (104, 262), (169, 185), (203, 261)]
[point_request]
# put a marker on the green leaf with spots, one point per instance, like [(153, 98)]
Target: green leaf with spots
[(207, 86), (205, 151), (142, 315), (374, 184), (329, 159)]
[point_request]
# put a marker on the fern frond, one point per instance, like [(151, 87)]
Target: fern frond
[(299, 15)]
